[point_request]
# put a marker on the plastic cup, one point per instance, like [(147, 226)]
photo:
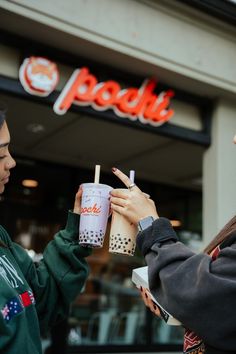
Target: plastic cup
[(95, 205), (122, 234)]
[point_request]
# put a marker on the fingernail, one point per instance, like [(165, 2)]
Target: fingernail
[(154, 306), (114, 169)]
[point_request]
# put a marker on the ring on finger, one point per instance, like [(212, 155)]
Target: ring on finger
[(132, 185)]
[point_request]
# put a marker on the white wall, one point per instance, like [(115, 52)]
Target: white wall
[(219, 171), (162, 35)]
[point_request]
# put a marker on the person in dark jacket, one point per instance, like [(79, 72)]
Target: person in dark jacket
[(197, 289), (35, 297)]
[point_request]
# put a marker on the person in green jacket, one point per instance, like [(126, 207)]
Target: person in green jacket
[(34, 297)]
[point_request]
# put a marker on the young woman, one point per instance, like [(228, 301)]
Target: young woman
[(33, 298), (197, 289)]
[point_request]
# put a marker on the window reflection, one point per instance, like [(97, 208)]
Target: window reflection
[(110, 311)]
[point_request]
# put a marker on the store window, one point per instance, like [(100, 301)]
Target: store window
[(109, 312)]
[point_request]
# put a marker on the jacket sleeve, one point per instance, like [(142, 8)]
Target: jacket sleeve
[(59, 277), (196, 290)]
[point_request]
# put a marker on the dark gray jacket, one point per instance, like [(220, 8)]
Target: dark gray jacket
[(199, 292)]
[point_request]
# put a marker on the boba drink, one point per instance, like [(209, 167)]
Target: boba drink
[(95, 206), (122, 234)]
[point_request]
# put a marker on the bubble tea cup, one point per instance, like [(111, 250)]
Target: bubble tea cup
[(123, 234), (95, 206)]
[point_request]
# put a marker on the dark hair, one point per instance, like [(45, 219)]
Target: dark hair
[(3, 110), (227, 230)]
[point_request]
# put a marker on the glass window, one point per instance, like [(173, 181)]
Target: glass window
[(110, 311)]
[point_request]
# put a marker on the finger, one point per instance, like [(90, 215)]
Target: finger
[(118, 209), (156, 310), (146, 195), (120, 194), (79, 192), (152, 306), (118, 201), (144, 297), (125, 179)]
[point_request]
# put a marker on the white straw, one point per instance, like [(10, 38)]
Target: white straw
[(97, 174), (131, 175)]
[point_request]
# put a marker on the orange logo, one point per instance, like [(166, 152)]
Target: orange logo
[(83, 89), (91, 210), (39, 76)]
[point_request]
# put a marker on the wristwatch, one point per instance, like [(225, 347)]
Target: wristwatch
[(145, 223)]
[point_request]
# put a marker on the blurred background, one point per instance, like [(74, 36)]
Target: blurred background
[(186, 163)]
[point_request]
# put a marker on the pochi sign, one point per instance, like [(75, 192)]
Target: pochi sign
[(39, 76)]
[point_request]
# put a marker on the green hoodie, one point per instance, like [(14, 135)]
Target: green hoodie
[(33, 297)]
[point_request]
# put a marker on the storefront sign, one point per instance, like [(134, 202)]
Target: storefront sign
[(84, 89)]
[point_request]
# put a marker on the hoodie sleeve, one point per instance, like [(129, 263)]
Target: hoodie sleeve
[(196, 290), (59, 277)]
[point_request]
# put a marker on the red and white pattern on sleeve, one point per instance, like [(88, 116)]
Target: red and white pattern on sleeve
[(192, 343)]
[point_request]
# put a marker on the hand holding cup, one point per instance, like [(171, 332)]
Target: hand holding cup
[(134, 205), (77, 202)]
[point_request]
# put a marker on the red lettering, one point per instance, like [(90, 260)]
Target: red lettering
[(79, 88), (94, 209), (158, 112), (83, 89), (106, 93), (143, 97), (127, 100)]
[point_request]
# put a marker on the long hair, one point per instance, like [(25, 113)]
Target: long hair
[(227, 230), (3, 110)]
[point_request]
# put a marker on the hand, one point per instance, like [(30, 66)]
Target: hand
[(149, 302), (77, 203), (134, 205)]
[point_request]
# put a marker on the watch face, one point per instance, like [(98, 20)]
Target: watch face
[(145, 223)]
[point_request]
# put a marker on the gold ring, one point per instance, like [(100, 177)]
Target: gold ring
[(132, 185)]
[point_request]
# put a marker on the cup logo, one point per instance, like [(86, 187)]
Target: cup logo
[(39, 76), (94, 209)]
